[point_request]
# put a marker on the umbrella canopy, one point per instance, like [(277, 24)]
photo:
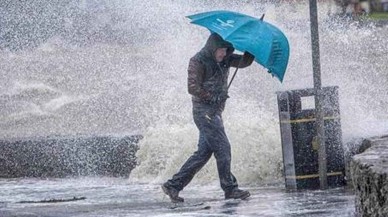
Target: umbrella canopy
[(266, 42)]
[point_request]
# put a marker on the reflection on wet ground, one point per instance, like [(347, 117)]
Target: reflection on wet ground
[(119, 197)]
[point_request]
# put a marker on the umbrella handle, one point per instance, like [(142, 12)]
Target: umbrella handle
[(235, 72)]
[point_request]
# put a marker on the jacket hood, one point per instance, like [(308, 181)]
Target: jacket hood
[(214, 42)]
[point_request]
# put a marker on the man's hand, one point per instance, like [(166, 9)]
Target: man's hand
[(248, 55), (219, 98)]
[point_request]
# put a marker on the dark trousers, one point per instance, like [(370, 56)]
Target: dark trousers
[(212, 139)]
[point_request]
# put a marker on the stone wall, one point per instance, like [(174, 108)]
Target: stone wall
[(369, 172), (68, 156)]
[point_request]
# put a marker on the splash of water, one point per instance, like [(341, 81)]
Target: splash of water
[(119, 67)]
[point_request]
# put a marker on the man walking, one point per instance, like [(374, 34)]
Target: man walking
[(208, 84)]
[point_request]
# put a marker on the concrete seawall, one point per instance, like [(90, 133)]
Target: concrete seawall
[(369, 172), (68, 156)]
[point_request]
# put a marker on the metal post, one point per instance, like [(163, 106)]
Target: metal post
[(318, 95)]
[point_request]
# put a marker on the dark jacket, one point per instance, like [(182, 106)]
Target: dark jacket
[(206, 77)]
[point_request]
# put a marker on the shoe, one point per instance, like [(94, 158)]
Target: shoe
[(172, 193), (237, 194)]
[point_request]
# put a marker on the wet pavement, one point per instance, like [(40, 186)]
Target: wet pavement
[(118, 197)]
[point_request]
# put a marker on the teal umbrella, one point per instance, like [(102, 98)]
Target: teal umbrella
[(266, 42)]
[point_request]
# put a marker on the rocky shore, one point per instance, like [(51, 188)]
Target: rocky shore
[(369, 171)]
